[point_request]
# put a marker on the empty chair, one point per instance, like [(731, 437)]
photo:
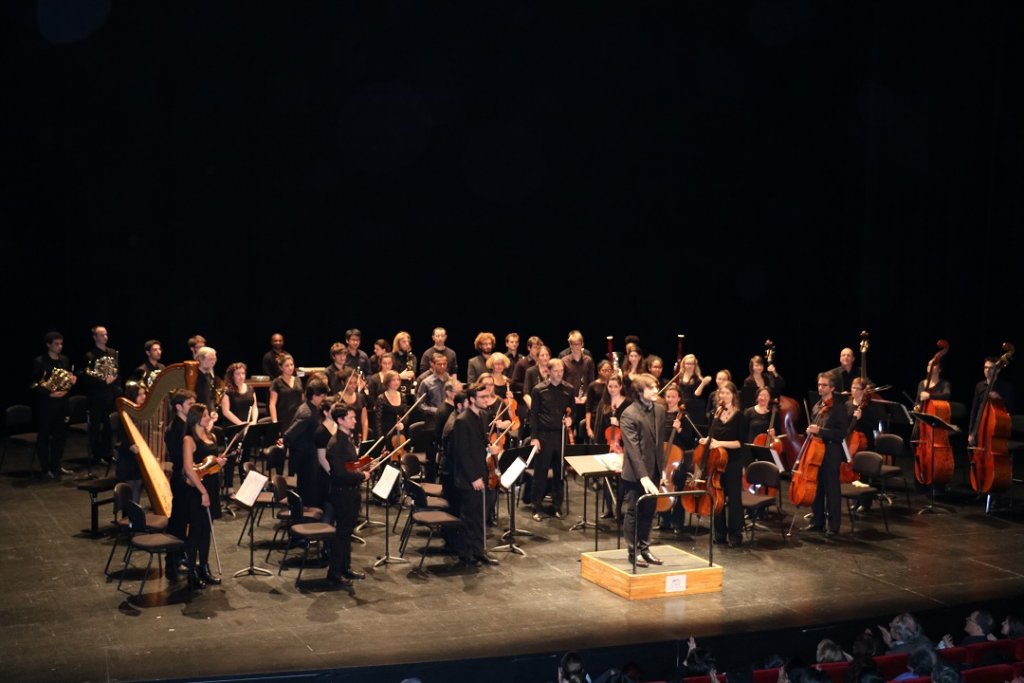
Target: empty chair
[(153, 523), (890, 446), (764, 474), (152, 543), (422, 515), (868, 464), (305, 533)]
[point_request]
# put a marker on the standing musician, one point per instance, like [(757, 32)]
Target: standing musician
[(548, 403), (832, 427), (537, 373), (579, 372), (352, 393), (864, 415), (354, 358), (285, 393), (574, 335), (196, 342), (1000, 390), (721, 377), (181, 402), (203, 498), (236, 405), (642, 425), (759, 415), (207, 384), (327, 428), (405, 361), (606, 420), (380, 347), (270, 366), (390, 405), (146, 373), (763, 375), (594, 393), (433, 387), (673, 435), (655, 367), (632, 368), (935, 388), (727, 430), (533, 346), (375, 383), (692, 382), (427, 359), (442, 427), (337, 371), (52, 403), (344, 495), (467, 450), (845, 371), (484, 343), (512, 350), (497, 366), (100, 374), (300, 439)]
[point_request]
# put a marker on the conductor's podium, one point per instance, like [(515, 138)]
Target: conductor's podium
[(681, 574)]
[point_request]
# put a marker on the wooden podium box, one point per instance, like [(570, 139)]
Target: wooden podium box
[(682, 574)]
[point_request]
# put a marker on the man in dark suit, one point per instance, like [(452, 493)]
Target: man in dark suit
[(643, 458)]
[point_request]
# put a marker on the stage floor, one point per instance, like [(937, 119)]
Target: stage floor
[(63, 620)]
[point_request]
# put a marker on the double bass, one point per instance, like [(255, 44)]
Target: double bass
[(991, 467), (933, 456), (804, 485)]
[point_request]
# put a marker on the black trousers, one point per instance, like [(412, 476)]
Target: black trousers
[(730, 519), (101, 439), (53, 429), (197, 539), (345, 501), (471, 511), (827, 503), (638, 518), (549, 456)]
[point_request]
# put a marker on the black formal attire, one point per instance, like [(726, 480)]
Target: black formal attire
[(387, 415), (519, 373), (427, 360), (206, 390), (197, 541), (240, 403), (845, 378), (405, 361), (440, 441), (300, 439), (695, 406), (568, 350), (578, 374), (1001, 387), (601, 421), (835, 425), (594, 393), (53, 414), (940, 391), (360, 361), (776, 385), (289, 398), (467, 450), (321, 439), (642, 425), (101, 405), (730, 519), (180, 490), (477, 366), (549, 402), (756, 423), (270, 367), (127, 469), (870, 415), (146, 373), (344, 489)]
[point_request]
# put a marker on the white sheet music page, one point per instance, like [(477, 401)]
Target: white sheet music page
[(251, 488)]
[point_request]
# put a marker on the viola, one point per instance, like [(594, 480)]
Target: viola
[(804, 485), (933, 456), (493, 475), (991, 467), (513, 407)]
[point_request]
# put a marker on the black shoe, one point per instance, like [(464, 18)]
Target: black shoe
[(647, 555), (720, 540), (736, 542), (638, 562), (830, 533), (353, 574), (487, 559), (339, 581), (470, 561), (559, 514), (195, 582), (208, 578), (607, 515), (814, 527)]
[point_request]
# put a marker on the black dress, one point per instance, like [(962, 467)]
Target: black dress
[(386, 414), (197, 542), (289, 398), (240, 403), (730, 519)]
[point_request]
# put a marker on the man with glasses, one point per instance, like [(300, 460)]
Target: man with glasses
[(830, 423)]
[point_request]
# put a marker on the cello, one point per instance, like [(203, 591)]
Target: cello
[(933, 456), (708, 463), (766, 440), (804, 485), (991, 467), (673, 458), (856, 440), (789, 411)]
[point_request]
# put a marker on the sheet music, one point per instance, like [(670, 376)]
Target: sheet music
[(509, 476), (251, 488), (612, 461), (386, 483)]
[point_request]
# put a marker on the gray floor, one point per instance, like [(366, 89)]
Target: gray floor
[(63, 620)]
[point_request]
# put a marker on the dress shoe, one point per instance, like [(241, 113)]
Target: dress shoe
[(830, 533), (207, 577), (814, 527), (607, 515), (470, 561), (647, 555), (638, 562), (339, 581), (536, 516), (559, 514), (487, 559), (735, 542), (353, 574), (65, 470), (195, 582), (720, 540)]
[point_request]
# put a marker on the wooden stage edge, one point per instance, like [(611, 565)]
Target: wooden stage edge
[(682, 574)]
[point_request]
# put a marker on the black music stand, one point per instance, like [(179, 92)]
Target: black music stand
[(385, 497), (895, 413), (505, 461), (573, 451), (935, 422), (365, 448), (249, 503), (591, 468)]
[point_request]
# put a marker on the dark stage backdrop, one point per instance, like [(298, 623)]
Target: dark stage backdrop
[(731, 171)]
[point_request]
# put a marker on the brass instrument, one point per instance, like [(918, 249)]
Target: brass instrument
[(103, 368), (148, 378), (58, 380)]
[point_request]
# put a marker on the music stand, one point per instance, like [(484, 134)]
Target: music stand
[(593, 467), (505, 462), (935, 422), (895, 413), (246, 496), (383, 490), (365, 448)]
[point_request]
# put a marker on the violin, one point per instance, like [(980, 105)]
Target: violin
[(933, 456), (493, 475), (513, 407), (365, 464), (991, 467), (211, 465), (804, 485)]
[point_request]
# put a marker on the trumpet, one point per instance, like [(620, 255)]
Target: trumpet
[(59, 379)]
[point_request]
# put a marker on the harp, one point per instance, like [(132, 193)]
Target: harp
[(145, 426)]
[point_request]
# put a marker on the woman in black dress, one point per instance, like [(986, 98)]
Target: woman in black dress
[(728, 429), (390, 404), (203, 501), (285, 393)]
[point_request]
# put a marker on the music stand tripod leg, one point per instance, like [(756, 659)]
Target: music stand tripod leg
[(386, 558), (510, 535), (252, 569)]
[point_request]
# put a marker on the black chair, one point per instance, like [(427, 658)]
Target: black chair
[(764, 474), (285, 516), (868, 465), (78, 413), (304, 533), (18, 429), (413, 469), (890, 447), (153, 523), (423, 515), (152, 543), (420, 437)]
